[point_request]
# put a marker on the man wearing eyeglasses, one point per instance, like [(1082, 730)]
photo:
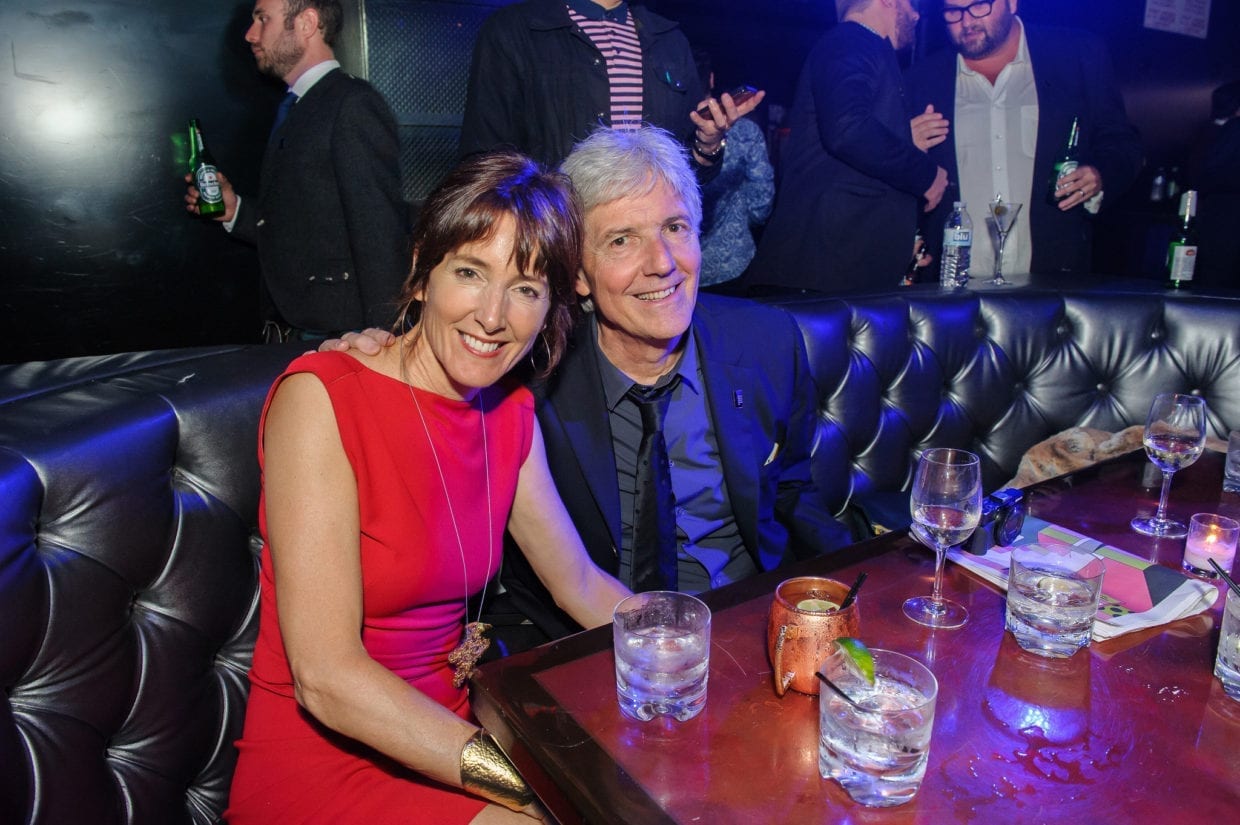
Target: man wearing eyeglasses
[(1008, 94)]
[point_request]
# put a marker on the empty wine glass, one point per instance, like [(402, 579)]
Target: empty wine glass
[(1175, 433), (946, 505), (1004, 214)]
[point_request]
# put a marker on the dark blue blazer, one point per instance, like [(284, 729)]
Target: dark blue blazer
[(1073, 75), (765, 441), (330, 223), (851, 180)]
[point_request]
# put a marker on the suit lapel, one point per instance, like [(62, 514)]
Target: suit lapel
[(575, 404), (736, 435), (1054, 106), (945, 153)]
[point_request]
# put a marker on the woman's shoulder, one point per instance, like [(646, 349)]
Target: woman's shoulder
[(331, 366)]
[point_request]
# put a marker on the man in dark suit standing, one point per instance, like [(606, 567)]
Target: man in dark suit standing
[(1010, 93), (329, 222), (851, 177)]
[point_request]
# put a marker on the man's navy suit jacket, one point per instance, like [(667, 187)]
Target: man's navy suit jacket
[(762, 401), (852, 181), (1073, 76), (331, 226)]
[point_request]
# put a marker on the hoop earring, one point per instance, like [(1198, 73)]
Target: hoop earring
[(542, 336)]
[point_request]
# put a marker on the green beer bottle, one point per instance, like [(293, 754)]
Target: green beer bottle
[(1182, 251), (1066, 164), (206, 176)]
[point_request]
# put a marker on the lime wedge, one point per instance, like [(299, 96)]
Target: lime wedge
[(817, 605), (857, 655)]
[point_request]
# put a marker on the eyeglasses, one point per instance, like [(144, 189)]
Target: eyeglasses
[(954, 14)]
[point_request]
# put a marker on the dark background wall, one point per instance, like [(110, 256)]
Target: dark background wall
[(97, 254)]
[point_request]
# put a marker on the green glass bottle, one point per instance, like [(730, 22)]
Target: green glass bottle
[(1066, 164), (206, 176), (1182, 251)]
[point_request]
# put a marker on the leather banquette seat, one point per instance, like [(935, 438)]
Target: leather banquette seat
[(129, 495)]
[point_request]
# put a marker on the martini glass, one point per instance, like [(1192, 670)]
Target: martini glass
[(1004, 214)]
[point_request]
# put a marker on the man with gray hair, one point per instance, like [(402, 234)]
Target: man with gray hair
[(731, 378), (740, 410), (852, 178)]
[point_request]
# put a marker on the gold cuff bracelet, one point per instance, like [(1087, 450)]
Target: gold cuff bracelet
[(488, 772)]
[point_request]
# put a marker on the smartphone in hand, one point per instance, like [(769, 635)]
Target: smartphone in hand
[(739, 95)]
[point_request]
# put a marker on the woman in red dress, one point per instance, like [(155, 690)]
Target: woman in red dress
[(388, 483)]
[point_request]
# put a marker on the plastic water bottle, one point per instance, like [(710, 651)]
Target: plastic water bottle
[(957, 247)]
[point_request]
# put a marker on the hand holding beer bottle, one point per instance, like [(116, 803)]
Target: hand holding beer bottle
[(209, 194)]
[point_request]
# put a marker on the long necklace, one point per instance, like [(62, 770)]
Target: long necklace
[(464, 657)]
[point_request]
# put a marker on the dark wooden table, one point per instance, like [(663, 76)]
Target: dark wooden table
[(1135, 729)]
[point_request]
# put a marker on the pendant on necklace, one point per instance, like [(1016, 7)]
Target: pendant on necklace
[(465, 656)]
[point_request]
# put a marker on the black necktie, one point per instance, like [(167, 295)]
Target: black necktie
[(654, 505), (282, 112)]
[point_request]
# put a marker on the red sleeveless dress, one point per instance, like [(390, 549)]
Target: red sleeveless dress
[(292, 769)]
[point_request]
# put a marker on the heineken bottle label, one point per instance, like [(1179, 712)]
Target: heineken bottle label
[(208, 182), (1181, 261), (1065, 168)]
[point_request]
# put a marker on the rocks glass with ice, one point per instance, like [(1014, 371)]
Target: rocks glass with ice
[(1227, 662), (662, 644), (1231, 471), (877, 750), (1052, 598)]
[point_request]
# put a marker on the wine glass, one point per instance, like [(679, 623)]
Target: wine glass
[(1175, 433), (1004, 214), (946, 506)]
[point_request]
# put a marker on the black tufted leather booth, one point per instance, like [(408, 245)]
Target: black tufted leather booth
[(129, 492), (128, 581), (995, 372)]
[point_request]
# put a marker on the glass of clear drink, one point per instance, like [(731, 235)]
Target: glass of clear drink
[(878, 748), (1175, 433), (1231, 473), (1227, 662), (1052, 598), (662, 645)]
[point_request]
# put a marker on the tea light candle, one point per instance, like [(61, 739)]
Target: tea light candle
[(1210, 537)]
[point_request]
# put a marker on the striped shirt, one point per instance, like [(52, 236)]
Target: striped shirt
[(618, 43)]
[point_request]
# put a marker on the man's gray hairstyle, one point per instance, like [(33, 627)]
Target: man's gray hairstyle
[(611, 164)]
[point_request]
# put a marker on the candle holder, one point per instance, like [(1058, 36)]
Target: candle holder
[(1210, 537)]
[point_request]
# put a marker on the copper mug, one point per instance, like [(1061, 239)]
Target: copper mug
[(799, 638)]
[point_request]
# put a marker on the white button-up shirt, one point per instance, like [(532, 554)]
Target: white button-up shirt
[(996, 134)]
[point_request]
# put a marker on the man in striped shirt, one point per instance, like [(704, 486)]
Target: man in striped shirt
[(546, 73)]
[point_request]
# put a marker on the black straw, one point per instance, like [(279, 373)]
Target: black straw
[(1235, 588), (837, 690), (852, 591)]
